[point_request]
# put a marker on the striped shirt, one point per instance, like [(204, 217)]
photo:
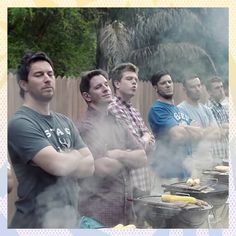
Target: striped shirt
[(221, 117)]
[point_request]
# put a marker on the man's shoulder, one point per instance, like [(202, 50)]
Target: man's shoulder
[(88, 122), (182, 104), (61, 116), (115, 106), (20, 116), (162, 106), (85, 124), (206, 107)]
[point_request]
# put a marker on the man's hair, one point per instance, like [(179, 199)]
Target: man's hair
[(24, 66), (156, 77), (117, 72), (187, 78), (87, 76), (212, 80)]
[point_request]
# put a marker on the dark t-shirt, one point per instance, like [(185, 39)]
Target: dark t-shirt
[(105, 198), (28, 133)]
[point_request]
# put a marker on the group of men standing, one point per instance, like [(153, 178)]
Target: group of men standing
[(111, 157)]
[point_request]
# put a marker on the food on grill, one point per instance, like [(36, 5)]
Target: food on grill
[(187, 199), (176, 198), (201, 203), (197, 181), (121, 226), (222, 168), (192, 182)]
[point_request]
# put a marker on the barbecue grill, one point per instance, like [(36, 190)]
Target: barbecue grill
[(160, 214), (220, 176), (211, 191)]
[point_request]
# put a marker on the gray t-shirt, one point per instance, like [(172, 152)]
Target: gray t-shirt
[(28, 133), (201, 114)]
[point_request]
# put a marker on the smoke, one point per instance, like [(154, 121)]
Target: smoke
[(57, 206), (168, 161), (200, 160), (62, 217)]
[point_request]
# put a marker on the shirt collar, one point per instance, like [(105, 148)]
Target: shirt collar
[(119, 100), (97, 112), (215, 103)]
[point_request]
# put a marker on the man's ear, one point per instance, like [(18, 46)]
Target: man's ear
[(86, 96), (117, 84), (155, 87), (23, 85)]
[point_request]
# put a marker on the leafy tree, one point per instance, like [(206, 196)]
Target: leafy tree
[(67, 34), (183, 40)]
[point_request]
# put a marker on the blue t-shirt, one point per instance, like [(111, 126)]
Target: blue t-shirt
[(169, 155)]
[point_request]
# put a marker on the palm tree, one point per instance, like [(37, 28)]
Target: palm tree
[(172, 39)]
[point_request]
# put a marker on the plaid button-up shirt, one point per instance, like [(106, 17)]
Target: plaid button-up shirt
[(131, 117), (220, 149)]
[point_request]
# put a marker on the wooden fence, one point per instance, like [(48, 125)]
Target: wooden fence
[(68, 100)]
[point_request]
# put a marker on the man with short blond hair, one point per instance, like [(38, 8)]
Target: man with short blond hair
[(125, 83)]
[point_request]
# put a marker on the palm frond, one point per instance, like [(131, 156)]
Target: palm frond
[(159, 25), (115, 41), (185, 57)]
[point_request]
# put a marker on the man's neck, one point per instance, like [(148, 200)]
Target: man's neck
[(123, 97), (216, 100), (166, 100), (101, 108), (40, 107), (194, 103)]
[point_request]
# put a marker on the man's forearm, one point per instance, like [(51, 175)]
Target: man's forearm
[(194, 133), (78, 163), (183, 133), (130, 158), (106, 166)]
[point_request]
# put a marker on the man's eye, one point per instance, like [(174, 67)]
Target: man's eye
[(38, 74)]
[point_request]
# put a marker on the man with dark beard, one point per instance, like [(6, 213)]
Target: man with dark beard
[(45, 148), (173, 129)]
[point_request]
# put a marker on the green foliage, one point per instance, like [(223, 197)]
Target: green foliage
[(67, 35), (182, 40)]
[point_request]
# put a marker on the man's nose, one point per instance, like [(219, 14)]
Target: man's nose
[(47, 78), (105, 88)]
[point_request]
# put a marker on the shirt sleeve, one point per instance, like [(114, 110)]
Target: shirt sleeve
[(131, 142), (117, 111), (211, 117), (78, 141), (25, 139), (161, 120)]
